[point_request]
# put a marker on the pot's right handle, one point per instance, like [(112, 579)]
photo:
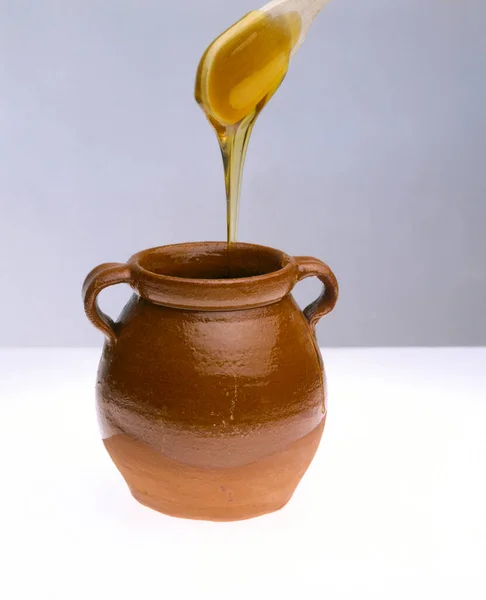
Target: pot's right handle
[(99, 278), (310, 267)]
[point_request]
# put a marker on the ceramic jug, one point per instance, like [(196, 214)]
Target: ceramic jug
[(211, 392)]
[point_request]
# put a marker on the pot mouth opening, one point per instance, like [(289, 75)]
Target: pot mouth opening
[(211, 261)]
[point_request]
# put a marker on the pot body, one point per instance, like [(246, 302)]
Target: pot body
[(214, 412)]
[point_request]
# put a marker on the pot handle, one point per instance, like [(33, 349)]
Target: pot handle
[(310, 267), (99, 278)]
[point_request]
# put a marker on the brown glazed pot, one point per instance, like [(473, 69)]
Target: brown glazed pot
[(211, 388)]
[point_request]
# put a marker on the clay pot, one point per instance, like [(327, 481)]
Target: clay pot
[(211, 389)]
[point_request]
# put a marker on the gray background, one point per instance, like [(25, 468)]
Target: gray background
[(371, 157)]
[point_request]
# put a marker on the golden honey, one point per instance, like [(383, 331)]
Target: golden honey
[(237, 75)]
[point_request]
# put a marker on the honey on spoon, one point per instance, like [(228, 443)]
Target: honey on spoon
[(238, 74)]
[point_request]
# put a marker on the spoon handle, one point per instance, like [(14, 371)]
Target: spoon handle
[(306, 9)]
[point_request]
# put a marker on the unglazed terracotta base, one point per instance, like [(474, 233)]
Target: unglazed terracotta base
[(211, 392), (213, 494)]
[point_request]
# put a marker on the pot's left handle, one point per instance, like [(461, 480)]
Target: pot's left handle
[(99, 278)]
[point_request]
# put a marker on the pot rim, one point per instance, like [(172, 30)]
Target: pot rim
[(199, 293)]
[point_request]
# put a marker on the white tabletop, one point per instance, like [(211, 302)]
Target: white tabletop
[(393, 506)]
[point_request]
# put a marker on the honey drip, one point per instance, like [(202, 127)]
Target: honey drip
[(237, 75)]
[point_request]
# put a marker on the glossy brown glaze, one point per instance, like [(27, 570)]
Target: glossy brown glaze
[(211, 390)]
